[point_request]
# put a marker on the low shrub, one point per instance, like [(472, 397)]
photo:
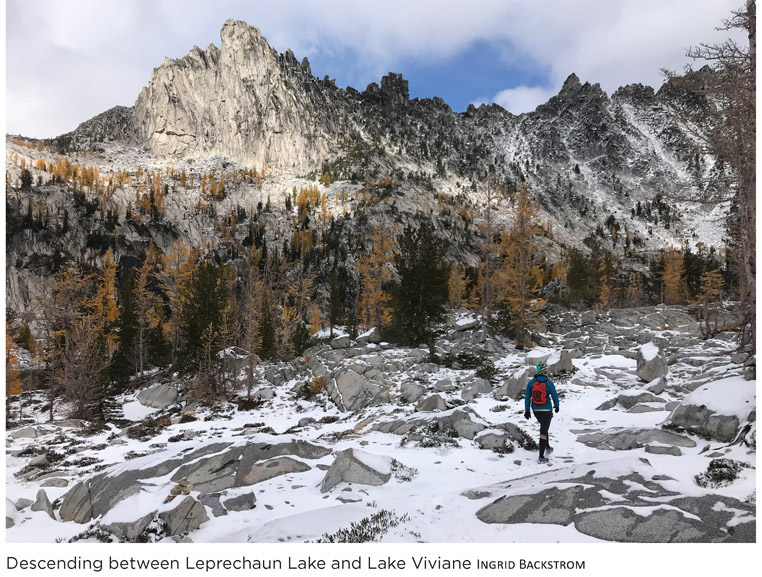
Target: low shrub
[(366, 530), (720, 473)]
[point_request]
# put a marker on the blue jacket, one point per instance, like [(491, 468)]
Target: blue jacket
[(550, 388)]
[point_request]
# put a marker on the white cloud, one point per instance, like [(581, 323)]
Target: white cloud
[(610, 43), (522, 98), (67, 61)]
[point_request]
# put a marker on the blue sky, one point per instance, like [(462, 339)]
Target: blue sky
[(67, 61)]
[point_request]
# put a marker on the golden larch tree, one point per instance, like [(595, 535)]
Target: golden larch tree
[(521, 276), (375, 271), (146, 305), (177, 267), (672, 277), (104, 302), (456, 285)]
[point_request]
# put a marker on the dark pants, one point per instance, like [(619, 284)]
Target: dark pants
[(544, 417)]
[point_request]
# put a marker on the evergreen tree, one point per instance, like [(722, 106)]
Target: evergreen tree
[(693, 268), (205, 298), (123, 362), (339, 298), (26, 179), (420, 295), (578, 278), (146, 308), (267, 346), (177, 267)]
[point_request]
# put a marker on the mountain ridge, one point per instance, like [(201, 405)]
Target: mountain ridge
[(596, 164)]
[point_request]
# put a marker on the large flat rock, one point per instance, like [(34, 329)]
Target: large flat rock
[(625, 439), (158, 397), (96, 496), (210, 469), (622, 501)]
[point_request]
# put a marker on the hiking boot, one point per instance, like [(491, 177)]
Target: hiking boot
[(542, 460), (548, 450)]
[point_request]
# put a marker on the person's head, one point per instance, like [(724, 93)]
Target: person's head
[(542, 368)]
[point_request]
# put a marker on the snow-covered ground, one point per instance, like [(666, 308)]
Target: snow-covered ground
[(451, 482)]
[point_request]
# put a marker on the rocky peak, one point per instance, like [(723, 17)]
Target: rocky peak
[(574, 97), (394, 89), (241, 42), (635, 92), (242, 100), (571, 86)]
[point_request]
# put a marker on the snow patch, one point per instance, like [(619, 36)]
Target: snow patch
[(649, 351), (731, 396), (380, 463)]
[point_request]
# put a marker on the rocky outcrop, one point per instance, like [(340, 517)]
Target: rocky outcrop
[(42, 503), (129, 531), (475, 388), (243, 502), (440, 427), (25, 433), (187, 516), (96, 496), (560, 363), (351, 391), (212, 501), (493, 440), (10, 513), (630, 399), (208, 469), (411, 392), (355, 466), (248, 465), (515, 386), (431, 403), (716, 410)]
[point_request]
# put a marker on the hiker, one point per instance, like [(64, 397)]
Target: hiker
[(539, 392)]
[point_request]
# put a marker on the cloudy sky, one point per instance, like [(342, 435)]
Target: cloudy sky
[(68, 61)]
